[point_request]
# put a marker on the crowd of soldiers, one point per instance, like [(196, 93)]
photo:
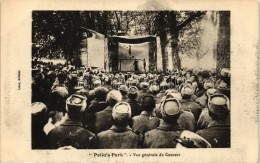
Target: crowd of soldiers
[(84, 108)]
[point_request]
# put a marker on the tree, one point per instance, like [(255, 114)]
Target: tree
[(176, 25), (223, 43)]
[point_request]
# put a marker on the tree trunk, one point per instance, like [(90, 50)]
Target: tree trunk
[(161, 28), (174, 32), (223, 43)]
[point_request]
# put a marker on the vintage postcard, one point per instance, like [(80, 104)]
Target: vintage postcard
[(129, 81)]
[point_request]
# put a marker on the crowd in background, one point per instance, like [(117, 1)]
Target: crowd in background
[(81, 108)]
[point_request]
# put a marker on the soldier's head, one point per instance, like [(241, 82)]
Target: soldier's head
[(75, 106), (121, 114), (208, 85), (123, 90), (148, 103), (164, 86), (58, 97), (101, 93), (154, 89), (218, 105), (144, 86), (223, 89), (39, 114), (113, 97), (186, 92), (175, 95), (61, 77), (170, 110), (132, 94), (97, 83)]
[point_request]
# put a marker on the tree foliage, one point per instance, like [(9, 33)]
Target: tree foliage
[(57, 32)]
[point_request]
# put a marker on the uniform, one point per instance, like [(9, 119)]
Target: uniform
[(103, 120), (71, 133), (188, 105), (120, 134), (162, 136), (135, 107), (218, 131), (187, 121), (144, 122), (117, 137), (217, 134)]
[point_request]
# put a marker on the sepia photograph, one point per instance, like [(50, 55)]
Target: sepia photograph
[(130, 79)]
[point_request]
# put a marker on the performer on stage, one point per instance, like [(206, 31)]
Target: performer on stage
[(144, 65), (136, 65)]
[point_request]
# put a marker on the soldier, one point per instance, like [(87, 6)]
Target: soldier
[(99, 103), (145, 121), (103, 119), (144, 90), (39, 119), (187, 104), (218, 130), (123, 89), (204, 117), (120, 134), (162, 136), (71, 132), (155, 89), (135, 106), (202, 101)]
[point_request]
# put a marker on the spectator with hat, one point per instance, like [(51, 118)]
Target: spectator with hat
[(123, 89), (120, 135), (217, 132), (144, 86), (146, 121), (39, 119), (202, 101), (71, 132), (187, 104), (134, 104), (103, 119), (99, 103), (204, 117), (162, 136)]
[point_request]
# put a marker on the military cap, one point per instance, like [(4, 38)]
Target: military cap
[(211, 91), (175, 95), (121, 112), (76, 103), (97, 82), (154, 88), (144, 85), (38, 108), (170, 107), (189, 81), (189, 139), (114, 95), (218, 104), (222, 85), (117, 85), (147, 100), (60, 91), (208, 85), (225, 72), (101, 91), (187, 90), (134, 82), (133, 90), (123, 88)]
